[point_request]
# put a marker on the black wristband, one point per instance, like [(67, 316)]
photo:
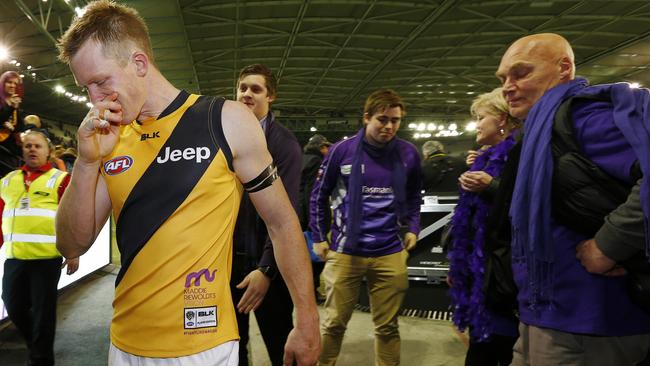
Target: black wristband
[(268, 271)]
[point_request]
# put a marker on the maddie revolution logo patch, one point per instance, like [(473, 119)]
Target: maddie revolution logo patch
[(118, 165)]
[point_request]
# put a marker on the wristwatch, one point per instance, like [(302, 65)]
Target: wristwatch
[(270, 272)]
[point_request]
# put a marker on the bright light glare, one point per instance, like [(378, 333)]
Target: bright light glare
[(59, 89), (313, 129), (471, 126), (635, 85), (4, 53)]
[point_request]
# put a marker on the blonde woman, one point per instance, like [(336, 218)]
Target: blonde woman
[(492, 328)]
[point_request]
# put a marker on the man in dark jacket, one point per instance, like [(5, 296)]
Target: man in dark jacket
[(255, 283), (315, 150), (440, 171)]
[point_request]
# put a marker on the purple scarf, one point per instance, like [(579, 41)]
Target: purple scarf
[(530, 211), (466, 257), (355, 183)]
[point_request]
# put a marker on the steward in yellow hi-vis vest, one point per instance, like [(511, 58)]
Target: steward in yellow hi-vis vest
[(175, 199), (28, 216), (30, 199)]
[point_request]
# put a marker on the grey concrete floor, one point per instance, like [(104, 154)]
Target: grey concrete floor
[(84, 314)]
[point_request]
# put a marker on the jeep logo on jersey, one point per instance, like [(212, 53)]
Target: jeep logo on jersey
[(191, 153), (196, 277), (118, 165)]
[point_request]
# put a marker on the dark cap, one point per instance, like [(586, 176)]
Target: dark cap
[(319, 140)]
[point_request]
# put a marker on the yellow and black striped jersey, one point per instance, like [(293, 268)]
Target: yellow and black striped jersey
[(175, 199)]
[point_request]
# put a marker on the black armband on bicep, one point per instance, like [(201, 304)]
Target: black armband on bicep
[(263, 180)]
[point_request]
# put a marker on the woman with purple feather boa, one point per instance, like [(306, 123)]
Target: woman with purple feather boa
[(492, 332)]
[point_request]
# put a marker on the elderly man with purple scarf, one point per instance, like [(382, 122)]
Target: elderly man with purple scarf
[(374, 181), (573, 304)]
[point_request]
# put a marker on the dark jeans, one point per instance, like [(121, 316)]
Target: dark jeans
[(29, 293), (496, 352), (274, 318)]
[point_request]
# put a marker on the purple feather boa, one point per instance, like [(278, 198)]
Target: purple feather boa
[(466, 256)]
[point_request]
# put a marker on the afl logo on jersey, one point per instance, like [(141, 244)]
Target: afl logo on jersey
[(118, 165)]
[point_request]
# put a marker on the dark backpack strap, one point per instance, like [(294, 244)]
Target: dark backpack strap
[(563, 136), (582, 193)]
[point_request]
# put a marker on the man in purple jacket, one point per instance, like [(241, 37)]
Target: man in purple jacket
[(373, 180), (573, 304)]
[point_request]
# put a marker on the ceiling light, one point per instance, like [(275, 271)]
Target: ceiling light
[(313, 129), (4, 53), (89, 105), (413, 126), (421, 127), (431, 127), (541, 4), (471, 126), (29, 67), (59, 89)]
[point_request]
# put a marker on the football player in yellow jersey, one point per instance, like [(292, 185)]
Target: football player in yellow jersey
[(109, 52)]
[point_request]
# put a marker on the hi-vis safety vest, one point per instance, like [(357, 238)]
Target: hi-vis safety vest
[(28, 217)]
